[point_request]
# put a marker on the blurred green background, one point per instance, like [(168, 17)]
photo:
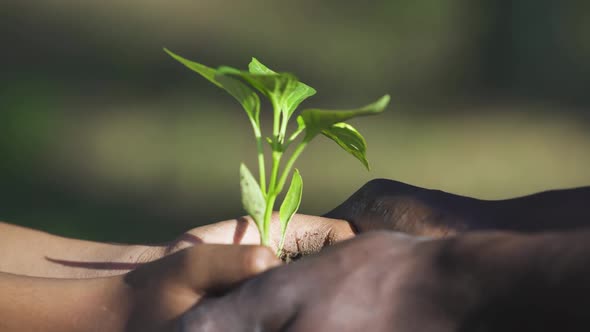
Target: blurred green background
[(103, 136)]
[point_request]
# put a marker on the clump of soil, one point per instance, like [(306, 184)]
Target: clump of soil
[(306, 244), (289, 257)]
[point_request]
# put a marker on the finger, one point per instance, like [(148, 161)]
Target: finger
[(205, 267), (264, 303), (216, 267)]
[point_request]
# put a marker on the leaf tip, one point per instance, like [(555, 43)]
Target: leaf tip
[(243, 170), (384, 101), (170, 53), (253, 66)]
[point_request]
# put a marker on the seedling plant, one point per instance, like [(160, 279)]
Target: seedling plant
[(284, 92)]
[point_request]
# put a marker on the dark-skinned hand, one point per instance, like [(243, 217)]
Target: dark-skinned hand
[(386, 281), (391, 205), (372, 282)]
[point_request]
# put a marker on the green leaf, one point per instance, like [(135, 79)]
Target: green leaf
[(316, 120), (206, 72), (349, 139), (252, 198), (291, 202), (300, 128), (296, 97), (256, 67), (291, 98), (240, 91), (272, 85)]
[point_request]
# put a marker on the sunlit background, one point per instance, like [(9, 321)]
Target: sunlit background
[(103, 136)]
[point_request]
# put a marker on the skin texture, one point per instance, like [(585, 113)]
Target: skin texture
[(450, 277), (386, 281), (320, 293), (390, 205), (143, 300), (72, 285)]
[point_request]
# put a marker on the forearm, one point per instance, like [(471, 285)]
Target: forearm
[(64, 305), (518, 282), (35, 253), (546, 211), (38, 254)]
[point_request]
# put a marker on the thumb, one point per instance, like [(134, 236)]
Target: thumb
[(204, 267), (215, 267)]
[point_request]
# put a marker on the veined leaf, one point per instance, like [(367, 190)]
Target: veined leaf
[(206, 72), (292, 97), (240, 91), (256, 67), (283, 89), (292, 200), (272, 85), (349, 139), (252, 198), (297, 96), (316, 120)]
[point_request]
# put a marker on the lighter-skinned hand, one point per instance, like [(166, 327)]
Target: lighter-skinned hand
[(214, 258)]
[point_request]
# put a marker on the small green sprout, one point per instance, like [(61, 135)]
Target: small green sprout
[(285, 93)]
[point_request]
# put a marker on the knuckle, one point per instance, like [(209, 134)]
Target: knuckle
[(376, 186)]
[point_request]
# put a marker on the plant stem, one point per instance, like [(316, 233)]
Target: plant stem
[(276, 120), (272, 192), (274, 173), (260, 148), (261, 170), (281, 184), (271, 195), (283, 130), (265, 235), (294, 135), (282, 243), (289, 165)]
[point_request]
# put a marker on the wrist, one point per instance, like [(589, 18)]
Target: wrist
[(64, 305), (112, 302)]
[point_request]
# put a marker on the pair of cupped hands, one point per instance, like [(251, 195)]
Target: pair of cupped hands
[(217, 277), (381, 261)]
